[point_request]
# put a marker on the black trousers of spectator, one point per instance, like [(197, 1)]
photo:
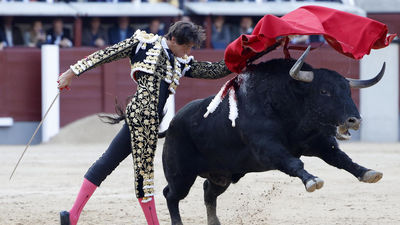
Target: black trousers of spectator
[(118, 150)]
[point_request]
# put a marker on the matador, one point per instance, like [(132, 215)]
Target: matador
[(157, 64)]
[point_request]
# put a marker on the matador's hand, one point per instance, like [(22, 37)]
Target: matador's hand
[(65, 79)]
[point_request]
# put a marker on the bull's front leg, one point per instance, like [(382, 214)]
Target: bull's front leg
[(276, 156), (295, 167), (332, 155)]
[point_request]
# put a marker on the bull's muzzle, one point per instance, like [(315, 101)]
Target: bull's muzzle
[(353, 123), (342, 131)]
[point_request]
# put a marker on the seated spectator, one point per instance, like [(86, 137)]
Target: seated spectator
[(36, 36), (155, 27), (2, 39), (299, 39), (316, 39), (319, 1), (182, 18), (220, 36), (245, 27), (113, 1), (186, 18), (10, 35), (67, 1), (94, 35), (59, 35), (120, 32)]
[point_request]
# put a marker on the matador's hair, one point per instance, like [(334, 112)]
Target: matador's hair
[(186, 33)]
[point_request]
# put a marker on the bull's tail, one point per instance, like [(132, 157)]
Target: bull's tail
[(115, 118), (111, 118)]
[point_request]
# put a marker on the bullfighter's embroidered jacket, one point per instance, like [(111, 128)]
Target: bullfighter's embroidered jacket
[(157, 72)]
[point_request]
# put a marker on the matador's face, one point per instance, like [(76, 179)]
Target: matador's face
[(179, 50)]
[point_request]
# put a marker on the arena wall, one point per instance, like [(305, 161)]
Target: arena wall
[(95, 91)]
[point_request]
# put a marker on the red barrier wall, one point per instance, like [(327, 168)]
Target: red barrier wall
[(95, 90), (20, 84)]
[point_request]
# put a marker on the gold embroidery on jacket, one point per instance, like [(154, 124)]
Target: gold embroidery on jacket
[(208, 70), (148, 65), (143, 122), (112, 53)]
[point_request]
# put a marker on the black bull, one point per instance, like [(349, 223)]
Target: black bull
[(280, 119)]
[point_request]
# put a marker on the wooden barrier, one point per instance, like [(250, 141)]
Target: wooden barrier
[(95, 91)]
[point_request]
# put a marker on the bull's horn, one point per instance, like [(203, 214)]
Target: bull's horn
[(296, 73), (367, 83)]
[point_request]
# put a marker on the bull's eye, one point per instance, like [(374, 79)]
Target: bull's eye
[(325, 92)]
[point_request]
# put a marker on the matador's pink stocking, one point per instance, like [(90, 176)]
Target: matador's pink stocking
[(149, 210), (86, 191)]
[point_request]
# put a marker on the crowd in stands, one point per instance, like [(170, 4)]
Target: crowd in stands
[(174, 2), (10, 35), (35, 36), (151, 1), (223, 34), (95, 34)]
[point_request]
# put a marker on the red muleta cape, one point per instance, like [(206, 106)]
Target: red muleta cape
[(349, 34)]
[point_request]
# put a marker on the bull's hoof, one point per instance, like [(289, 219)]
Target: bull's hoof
[(214, 221), (177, 223), (314, 183), (371, 176)]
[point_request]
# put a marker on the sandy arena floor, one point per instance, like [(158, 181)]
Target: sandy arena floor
[(50, 175)]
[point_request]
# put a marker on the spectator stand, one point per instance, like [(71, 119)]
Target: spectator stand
[(21, 101), (256, 9), (73, 13), (141, 13), (24, 11)]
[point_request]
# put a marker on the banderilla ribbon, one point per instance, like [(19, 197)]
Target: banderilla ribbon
[(34, 134)]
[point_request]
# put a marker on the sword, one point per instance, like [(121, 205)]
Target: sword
[(34, 134)]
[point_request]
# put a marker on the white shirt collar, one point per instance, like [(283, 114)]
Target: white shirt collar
[(165, 46)]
